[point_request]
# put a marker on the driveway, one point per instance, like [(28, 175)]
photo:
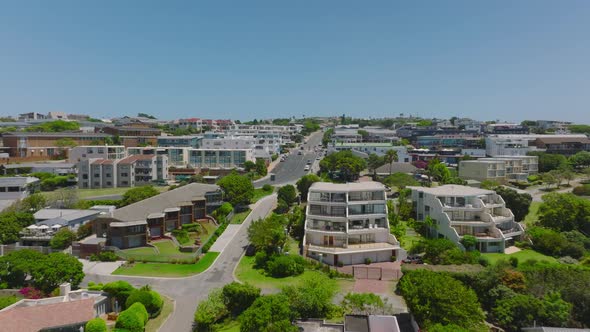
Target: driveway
[(99, 267), (188, 292)]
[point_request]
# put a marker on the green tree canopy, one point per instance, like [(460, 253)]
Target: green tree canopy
[(518, 203), (269, 313), (565, 212), (549, 161), (210, 311), (56, 269), (12, 222), (238, 189), (63, 238), (138, 194), (312, 296), (288, 194), (436, 298), (304, 183), (268, 234), (347, 165), (239, 297)]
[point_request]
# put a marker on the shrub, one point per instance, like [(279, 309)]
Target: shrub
[(62, 238), (568, 260), (267, 187), (31, 293), (238, 297), (104, 256), (582, 190), (368, 261), (120, 290), (151, 301), (96, 325), (192, 227), (280, 266), (260, 260), (181, 235), (133, 319)]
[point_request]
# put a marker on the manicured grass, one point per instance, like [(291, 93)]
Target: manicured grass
[(239, 218), (167, 252), (87, 193), (533, 216), (259, 193), (247, 273), (167, 247), (167, 269), (153, 325), (522, 256)]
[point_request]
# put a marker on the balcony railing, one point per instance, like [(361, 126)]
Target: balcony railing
[(327, 228)]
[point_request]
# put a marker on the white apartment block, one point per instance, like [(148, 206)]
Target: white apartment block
[(507, 145), (347, 223), (109, 152), (219, 158), (264, 145), (365, 149), (132, 171), (460, 210)]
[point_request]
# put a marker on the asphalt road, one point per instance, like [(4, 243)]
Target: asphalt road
[(188, 292), (290, 170)]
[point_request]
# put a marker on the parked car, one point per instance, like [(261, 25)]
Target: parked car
[(299, 153), (306, 168), (413, 259)]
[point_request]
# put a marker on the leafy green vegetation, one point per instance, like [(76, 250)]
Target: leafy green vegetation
[(522, 256), (343, 165), (137, 194), (400, 180), (54, 126), (239, 218), (237, 189), (260, 193)]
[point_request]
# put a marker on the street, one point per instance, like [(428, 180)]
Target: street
[(188, 292), (290, 170)]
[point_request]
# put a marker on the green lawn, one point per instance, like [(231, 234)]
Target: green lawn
[(167, 251), (86, 193), (522, 256), (153, 325), (167, 269), (258, 194), (408, 240), (239, 218), (533, 214), (246, 273)]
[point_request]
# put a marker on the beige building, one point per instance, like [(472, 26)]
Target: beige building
[(127, 172), (501, 169)]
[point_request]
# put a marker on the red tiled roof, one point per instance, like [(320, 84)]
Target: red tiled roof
[(37, 317)]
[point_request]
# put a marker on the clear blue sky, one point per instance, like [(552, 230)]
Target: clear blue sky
[(506, 60)]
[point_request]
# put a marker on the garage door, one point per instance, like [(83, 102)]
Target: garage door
[(116, 241), (135, 241), (155, 231)]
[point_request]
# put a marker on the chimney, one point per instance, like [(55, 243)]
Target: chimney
[(65, 289)]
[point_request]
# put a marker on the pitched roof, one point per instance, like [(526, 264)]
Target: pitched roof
[(158, 203)]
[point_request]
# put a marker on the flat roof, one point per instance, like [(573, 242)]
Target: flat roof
[(345, 187), (453, 190), (17, 180)]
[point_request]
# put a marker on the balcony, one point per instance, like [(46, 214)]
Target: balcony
[(327, 228)]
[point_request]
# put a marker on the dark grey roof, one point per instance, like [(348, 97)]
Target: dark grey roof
[(17, 180), (157, 204), (67, 218), (397, 167)]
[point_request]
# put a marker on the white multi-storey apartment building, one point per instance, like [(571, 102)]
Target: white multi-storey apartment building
[(347, 224), (82, 152), (460, 210), (132, 171)]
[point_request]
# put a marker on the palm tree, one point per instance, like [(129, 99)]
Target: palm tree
[(390, 157)]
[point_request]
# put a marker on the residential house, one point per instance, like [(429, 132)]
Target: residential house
[(483, 170), (31, 145), (347, 224), (458, 211), (16, 187), (70, 311), (565, 145), (223, 159), (109, 152), (135, 170), (132, 225)]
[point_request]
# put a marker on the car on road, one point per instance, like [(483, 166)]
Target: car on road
[(299, 153), (306, 168), (413, 259), (309, 161)]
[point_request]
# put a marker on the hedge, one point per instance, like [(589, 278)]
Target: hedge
[(133, 319), (95, 325), (151, 300)]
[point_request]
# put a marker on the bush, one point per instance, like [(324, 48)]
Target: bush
[(133, 318), (62, 238), (120, 290), (238, 297), (104, 256), (282, 207), (280, 266), (151, 301), (84, 230), (267, 187), (368, 261), (260, 260), (96, 325), (192, 227), (181, 236), (582, 190), (568, 260)]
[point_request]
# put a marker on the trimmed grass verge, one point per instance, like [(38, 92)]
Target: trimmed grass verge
[(239, 218), (522, 256), (153, 325), (259, 193), (533, 216), (167, 269)]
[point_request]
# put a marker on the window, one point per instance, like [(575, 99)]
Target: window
[(125, 174), (109, 183), (421, 195), (108, 175), (85, 176), (96, 175)]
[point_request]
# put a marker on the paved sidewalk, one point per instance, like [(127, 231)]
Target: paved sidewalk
[(100, 268), (225, 238)]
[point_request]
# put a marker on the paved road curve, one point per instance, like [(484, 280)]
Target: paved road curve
[(187, 292)]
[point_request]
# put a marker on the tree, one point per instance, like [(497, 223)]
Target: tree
[(297, 223), (261, 167), (549, 161), (33, 203), (343, 163), (580, 159), (304, 183), (62, 239), (12, 223), (96, 325), (210, 311), (390, 157), (268, 234), (269, 313), (56, 269), (400, 180), (374, 162), (238, 189), (565, 212), (288, 194), (119, 291), (312, 296), (249, 166), (138, 194), (239, 297), (518, 203), (524, 310), (549, 179), (439, 298), (18, 266)]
